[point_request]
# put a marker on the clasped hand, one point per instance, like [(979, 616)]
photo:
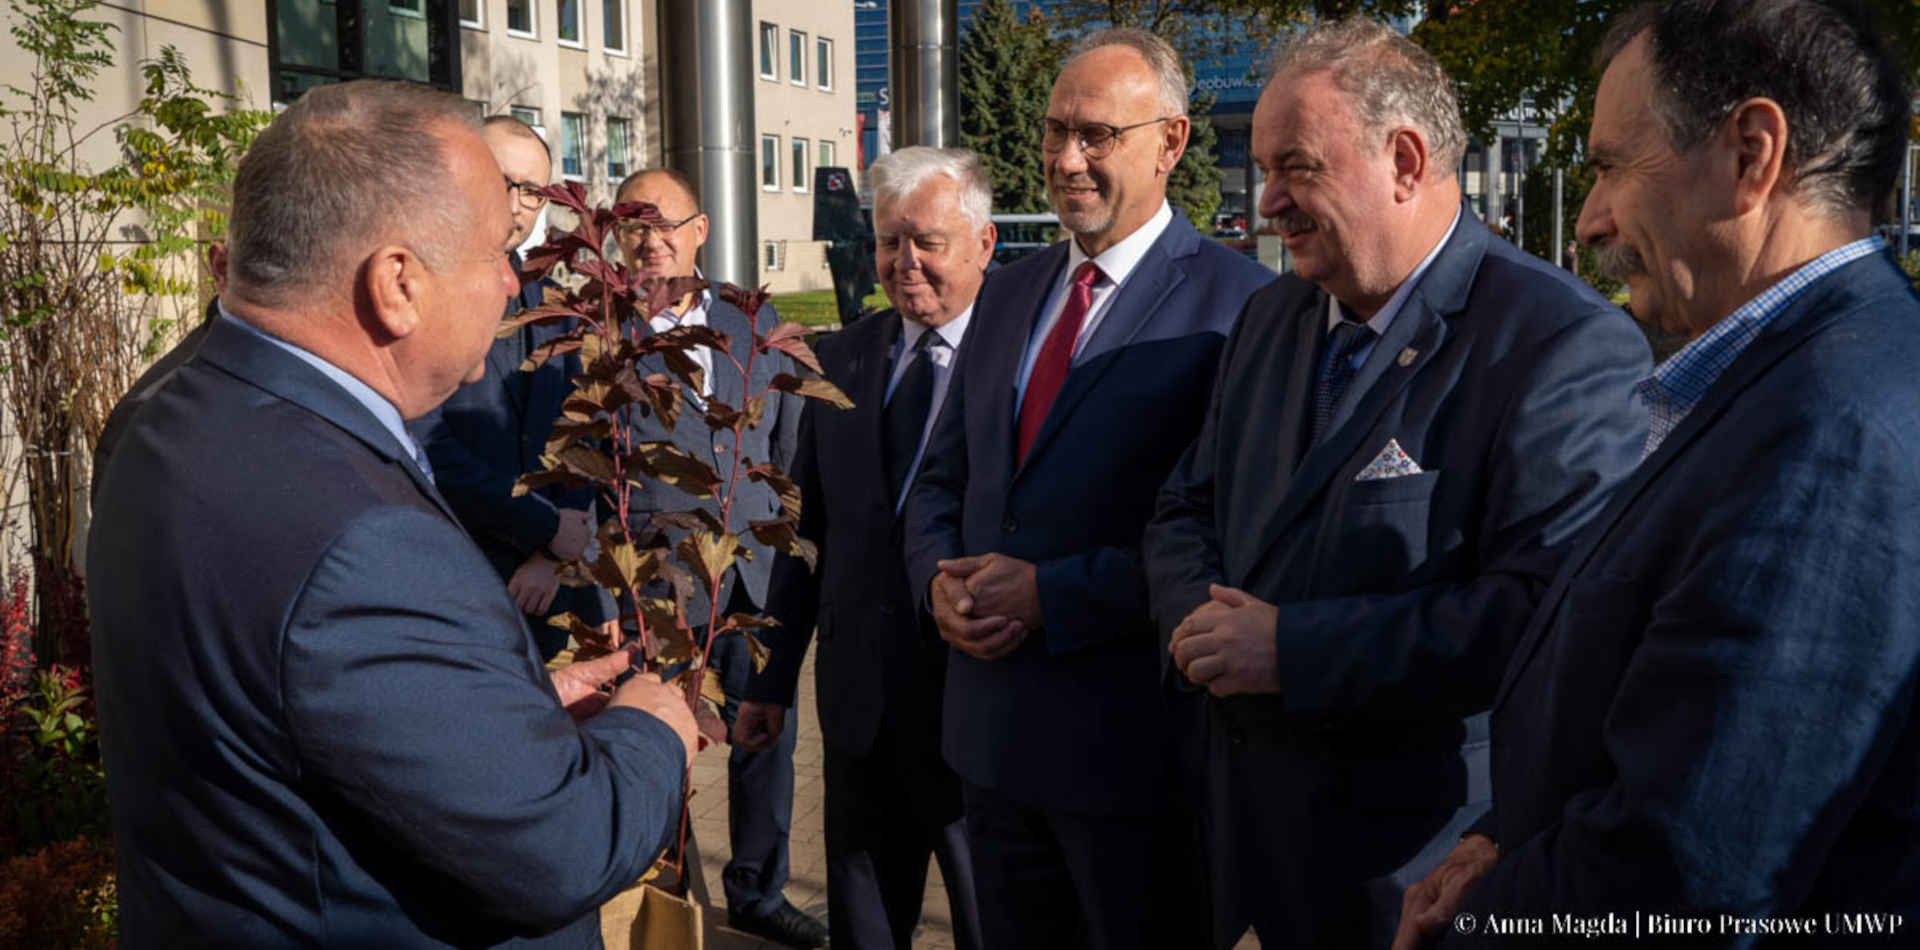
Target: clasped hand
[(985, 605), (1227, 644)]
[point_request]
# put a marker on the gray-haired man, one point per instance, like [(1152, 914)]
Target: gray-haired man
[(891, 800)]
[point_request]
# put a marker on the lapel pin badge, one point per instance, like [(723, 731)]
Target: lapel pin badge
[(1407, 355)]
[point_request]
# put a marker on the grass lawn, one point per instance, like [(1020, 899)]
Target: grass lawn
[(815, 307)]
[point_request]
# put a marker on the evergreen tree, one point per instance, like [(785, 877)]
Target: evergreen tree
[(1194, 185), (1006, 73)]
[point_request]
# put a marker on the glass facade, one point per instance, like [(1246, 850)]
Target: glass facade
[(314, 43)]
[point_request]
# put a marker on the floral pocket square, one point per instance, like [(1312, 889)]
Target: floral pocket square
[(1392, 462)]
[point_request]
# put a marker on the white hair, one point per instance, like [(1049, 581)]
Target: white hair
[(901, 172)]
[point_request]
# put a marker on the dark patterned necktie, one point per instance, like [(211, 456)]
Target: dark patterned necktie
[(906, 413), (1337, 372)]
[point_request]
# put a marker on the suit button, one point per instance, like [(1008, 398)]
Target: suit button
[(1010, 526), (1237, 736)]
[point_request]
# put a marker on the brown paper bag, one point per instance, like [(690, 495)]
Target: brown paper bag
[(644, 917)]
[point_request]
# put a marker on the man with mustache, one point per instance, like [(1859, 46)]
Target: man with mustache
[(1405, 437), (1081, 378), (1713, 711)]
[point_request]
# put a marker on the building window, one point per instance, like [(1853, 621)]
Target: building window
[(614, 12), (529, 115), (797, 57), (473, 13), (769, 49), (770, 256), (618, 136), (826, 155), (799, 164), (314, 44), (770, 162), (573, 145), (520, 18), (823, 62), (566, 24)]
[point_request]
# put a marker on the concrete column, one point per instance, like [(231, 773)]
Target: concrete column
[(707, 77)]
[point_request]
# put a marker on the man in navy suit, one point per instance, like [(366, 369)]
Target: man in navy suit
[(759, 782), (891, 801), (1082, 378), (1405, 437), (323, 719), (1713, 712), (491, 432)]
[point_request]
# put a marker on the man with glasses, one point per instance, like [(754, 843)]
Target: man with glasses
[(759, 781), (1083, 376), (491, 432)]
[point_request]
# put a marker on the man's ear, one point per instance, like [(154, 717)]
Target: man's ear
[(1410, 157), (700, 225), (392, 278), (1173, 142), (1756, 134)]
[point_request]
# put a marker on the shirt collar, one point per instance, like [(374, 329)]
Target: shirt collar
[(1118, 261), (951, 331), (1384, 318), (1683, 379), (384, 411)]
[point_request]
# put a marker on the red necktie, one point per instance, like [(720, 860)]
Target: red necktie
[(1056, 356)]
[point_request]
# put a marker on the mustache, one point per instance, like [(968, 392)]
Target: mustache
[(1295, 222), (1618, 261)]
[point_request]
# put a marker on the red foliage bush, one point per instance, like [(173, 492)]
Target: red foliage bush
[(59, 896)]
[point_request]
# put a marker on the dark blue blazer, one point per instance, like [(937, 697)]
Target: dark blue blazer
[(880, 664), (1067, 720), (323, 719), (1510, 384), (1714, 709), (489, 433)]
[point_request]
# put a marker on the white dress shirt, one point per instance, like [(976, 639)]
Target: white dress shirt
[(696, 316)]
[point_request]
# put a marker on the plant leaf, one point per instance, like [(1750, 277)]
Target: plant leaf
[(812, 387)]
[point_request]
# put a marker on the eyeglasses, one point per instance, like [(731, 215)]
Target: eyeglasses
[(640, 231), (1096, 138), (525, 192)]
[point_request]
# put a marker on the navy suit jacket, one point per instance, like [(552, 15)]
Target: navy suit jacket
[(1714, 709), (879, 663), (1065, 721), (489, 433), (323, 719), (772, 439)]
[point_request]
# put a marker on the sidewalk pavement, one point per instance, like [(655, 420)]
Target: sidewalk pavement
[(807, 882), (807, 849)]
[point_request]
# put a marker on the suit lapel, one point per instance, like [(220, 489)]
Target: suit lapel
[(241, 352), (1132, 309), (726, 384), (1004, 368), (1807, 316), (873, 367), (1377, 386)]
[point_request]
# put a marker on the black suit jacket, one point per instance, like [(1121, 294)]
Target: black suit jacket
[(879, 664), (323, 719), (1073, 719), (1714, 709)]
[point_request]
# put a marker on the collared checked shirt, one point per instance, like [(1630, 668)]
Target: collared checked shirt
[(1678, 384)]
